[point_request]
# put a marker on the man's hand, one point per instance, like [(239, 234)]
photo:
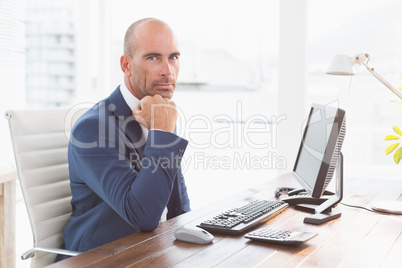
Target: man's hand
[(155, 112)]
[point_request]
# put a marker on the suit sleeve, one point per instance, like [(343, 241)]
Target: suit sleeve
[(139, 197)]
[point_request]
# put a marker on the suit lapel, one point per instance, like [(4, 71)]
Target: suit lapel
[(133, 132), (128, 125)]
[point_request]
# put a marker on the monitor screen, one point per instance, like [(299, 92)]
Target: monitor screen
[(319, 149)]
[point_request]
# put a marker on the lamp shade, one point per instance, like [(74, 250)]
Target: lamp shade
[(341, 65)]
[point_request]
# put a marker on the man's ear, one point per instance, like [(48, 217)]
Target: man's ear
[(125, 64)]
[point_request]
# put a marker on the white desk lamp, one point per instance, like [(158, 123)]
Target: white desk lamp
[(343, 65)]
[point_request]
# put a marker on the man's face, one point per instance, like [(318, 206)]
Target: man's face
[(155, 61)]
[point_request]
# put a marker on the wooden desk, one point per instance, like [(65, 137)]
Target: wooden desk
[(7, 218), (358, 239)]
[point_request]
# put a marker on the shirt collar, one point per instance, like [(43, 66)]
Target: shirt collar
[(130, 99), (132, 102)]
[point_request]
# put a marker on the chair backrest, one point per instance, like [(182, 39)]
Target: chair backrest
[(40, 141)]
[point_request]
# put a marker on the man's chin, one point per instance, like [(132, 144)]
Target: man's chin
[(165, 94)]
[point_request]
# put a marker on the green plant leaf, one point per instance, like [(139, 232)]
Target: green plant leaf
[(391, 137), (391, 148), (397, 130), (398, 155)]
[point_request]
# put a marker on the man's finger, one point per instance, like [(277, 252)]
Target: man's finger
[(137, 109)]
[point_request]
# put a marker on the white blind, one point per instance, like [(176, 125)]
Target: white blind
[(12, 52), (12, 65)]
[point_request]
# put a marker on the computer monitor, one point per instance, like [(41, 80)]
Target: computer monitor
[(319, 149), (318, 156)]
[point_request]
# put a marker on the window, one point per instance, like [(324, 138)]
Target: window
[(352, 27), (227, 84)]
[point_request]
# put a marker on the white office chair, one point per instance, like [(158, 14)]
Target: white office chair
[(40, 140)]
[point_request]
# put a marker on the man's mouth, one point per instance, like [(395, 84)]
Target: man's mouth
[(165, 86)]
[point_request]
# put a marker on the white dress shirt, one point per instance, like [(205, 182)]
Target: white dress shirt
[(132, 102)]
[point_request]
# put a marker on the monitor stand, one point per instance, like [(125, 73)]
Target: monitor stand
[(301, 196), (324, 211)]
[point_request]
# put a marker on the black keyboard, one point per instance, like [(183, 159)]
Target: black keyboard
[(239, 220)]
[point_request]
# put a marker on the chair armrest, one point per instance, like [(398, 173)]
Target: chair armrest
[(30, 253)]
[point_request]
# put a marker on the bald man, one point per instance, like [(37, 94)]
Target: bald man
[(124, 157)]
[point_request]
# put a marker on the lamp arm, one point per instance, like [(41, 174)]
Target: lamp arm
[(382, 80)]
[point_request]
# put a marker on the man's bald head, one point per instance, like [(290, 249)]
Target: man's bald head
[(150, 62), (130, 37)]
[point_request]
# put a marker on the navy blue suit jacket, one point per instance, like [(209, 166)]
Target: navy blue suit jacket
[(119, 184)]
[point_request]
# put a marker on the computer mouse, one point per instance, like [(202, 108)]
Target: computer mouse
[(193, 234)]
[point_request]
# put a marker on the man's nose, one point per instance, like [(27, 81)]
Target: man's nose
[(166, 68)]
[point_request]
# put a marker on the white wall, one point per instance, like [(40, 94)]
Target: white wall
[(292, 76)]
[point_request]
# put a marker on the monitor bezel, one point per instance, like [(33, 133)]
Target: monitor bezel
[(327, 164)]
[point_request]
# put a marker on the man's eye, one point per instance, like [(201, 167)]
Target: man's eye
[(152, 58), (174, 57)]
